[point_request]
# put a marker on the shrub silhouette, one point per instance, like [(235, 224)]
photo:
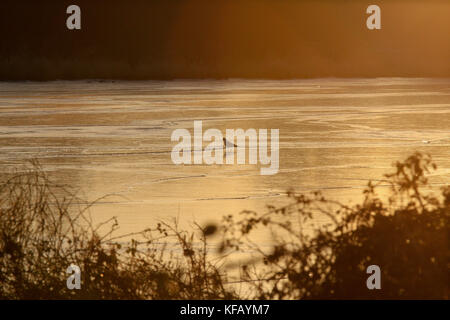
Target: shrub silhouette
[(44, 229), (41, 234), (406, 236)]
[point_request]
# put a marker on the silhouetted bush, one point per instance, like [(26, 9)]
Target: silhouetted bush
[(44, 229), (406, 235)]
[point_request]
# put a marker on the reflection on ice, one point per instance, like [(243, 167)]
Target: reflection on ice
[(114, 138)]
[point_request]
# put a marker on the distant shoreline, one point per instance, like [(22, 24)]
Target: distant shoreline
[(113, 80)]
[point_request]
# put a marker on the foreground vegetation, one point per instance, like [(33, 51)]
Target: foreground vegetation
[(44, 229)]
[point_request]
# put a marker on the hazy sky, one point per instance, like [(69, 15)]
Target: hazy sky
[(223, 38)]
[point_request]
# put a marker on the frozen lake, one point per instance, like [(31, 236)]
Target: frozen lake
[(114, 138)]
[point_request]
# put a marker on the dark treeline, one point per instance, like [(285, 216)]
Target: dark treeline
[(142, 39)]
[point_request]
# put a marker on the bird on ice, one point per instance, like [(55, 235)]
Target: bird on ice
[(228, 144)]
